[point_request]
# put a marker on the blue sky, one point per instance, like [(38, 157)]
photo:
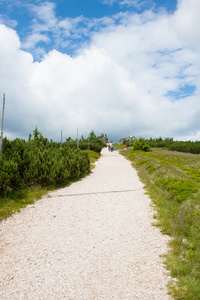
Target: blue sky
[(122, 67), (24, 17)]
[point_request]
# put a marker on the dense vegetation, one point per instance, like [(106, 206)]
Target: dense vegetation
[(91, 143), (173, 182), (168, 143), (140, 144), (41, 163)]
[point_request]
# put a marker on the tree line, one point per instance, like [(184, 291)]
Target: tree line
[(168, 143)]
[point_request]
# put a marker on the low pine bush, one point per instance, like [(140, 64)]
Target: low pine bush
[(38, 161), (140, 144), (180, 146)]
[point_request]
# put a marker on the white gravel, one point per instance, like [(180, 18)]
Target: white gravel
[(91, 240)]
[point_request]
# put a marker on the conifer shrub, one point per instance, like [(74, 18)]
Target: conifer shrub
[(39, 161), (9, 175), (180, 146), (140, 144)]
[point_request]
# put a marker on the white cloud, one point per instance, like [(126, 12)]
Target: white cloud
[(58, 32), (130, 3), (34, 39), (7, 21), (119, 84), (134, 3), (186, 21), (70, 27), (44, 23), (109, 2), (45, 13), (61, 33)]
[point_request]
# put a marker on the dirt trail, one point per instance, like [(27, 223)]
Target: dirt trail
[(91, 240)]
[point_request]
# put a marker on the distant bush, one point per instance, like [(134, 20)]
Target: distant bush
[(91, 143), (140, 144), (188, 147), (170, 144), (159, 142)]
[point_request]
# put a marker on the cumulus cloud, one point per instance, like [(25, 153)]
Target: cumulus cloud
[(122, 83), (186, 23)]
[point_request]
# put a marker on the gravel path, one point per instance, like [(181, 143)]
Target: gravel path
[(91, 240)]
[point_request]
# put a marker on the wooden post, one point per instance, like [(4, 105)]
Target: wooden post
[(77, 139), (61, 139), (1, 141)]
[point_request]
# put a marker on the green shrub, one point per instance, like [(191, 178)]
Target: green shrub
[(141, 145), (39, 161), (180, 146), (9, 176)]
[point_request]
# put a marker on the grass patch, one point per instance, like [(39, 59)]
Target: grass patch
[(94, 156), (178, 189), (173, 182), (18, 199), (118, 146)]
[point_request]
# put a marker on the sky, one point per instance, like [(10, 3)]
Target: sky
[(120, 67)]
